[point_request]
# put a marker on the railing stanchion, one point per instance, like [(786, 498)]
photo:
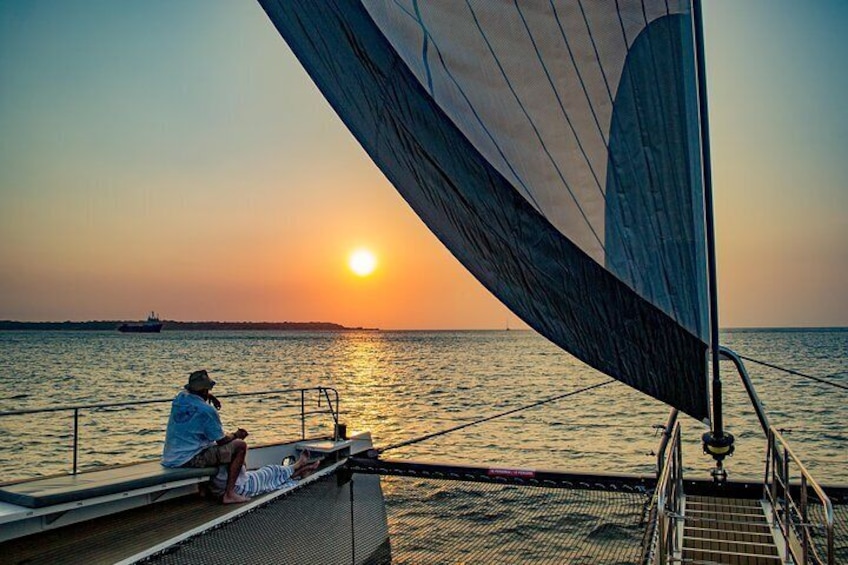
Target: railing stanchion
[(774, 473), (805, 528), (76, 438), (669, 490), (786, 506), (302, 414)]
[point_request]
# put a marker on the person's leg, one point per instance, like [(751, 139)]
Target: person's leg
[(303, 468), (239, 455), (306, 470), (301, 461)]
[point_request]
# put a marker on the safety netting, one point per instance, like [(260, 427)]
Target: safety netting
[(372, 519), (444, 521)]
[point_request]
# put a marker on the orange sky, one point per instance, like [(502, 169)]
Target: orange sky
[(171, 158)]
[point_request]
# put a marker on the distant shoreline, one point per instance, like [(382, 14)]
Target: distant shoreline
[(170, 325)]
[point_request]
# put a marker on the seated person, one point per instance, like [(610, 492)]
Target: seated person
[(195, 437), (264, 479)]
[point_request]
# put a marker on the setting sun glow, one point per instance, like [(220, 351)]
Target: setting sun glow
[(362, 262)]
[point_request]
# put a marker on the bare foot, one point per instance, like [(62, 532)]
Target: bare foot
[(301, 461), (234, 498), (306, 470)]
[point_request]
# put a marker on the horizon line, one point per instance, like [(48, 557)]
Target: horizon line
[(364, 328)]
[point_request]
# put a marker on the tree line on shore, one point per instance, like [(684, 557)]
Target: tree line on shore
[(103, 325)]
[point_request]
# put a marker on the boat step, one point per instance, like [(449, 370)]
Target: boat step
[(728, 535), (727, 516), (719, 501), (725, 524), (742, 509), (730, 547), (728, 532), (721, 558)]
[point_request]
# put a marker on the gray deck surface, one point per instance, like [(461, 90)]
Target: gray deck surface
[(112, 538)]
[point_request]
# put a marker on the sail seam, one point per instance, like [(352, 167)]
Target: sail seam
[(523, 185), (558, 98), (697, 265), (595, 49), (613, 165), (614, 116), (424, 40), (653, 223), (579, 74), (631, 260), (533, 126)]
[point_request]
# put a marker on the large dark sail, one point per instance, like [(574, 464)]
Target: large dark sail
[(553, 147)]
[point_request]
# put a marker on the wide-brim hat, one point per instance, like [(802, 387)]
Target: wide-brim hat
[(199, 380)]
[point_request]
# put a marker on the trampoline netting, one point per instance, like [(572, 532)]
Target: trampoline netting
[(413, 520), (440, 521)]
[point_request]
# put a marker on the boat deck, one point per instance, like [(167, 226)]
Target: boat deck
[(116, 537), (114, 514), (146, 529)]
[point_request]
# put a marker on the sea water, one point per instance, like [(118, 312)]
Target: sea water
[(404, 385)]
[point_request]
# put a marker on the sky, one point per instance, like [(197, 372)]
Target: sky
[(174, 156)]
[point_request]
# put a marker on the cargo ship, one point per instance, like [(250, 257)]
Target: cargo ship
[(152, 325)]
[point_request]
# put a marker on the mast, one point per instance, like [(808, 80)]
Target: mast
[(717, 442)]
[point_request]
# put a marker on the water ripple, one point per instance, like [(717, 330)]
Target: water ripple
[(402, 385)]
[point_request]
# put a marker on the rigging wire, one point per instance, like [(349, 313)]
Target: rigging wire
[(489, 418), (573, 393), (793, 372)]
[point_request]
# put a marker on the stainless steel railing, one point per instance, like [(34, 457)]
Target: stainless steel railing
[(330, 396), (669, 494), (759, 410), (790, 508), (807, 535), (666, 437)]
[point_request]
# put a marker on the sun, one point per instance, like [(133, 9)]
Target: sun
[(362, 262)]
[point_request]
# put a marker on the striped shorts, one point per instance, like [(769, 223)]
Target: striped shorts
[(262, 480)]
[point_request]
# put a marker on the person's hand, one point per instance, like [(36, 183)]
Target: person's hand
[(213, 401), (241, 433)]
